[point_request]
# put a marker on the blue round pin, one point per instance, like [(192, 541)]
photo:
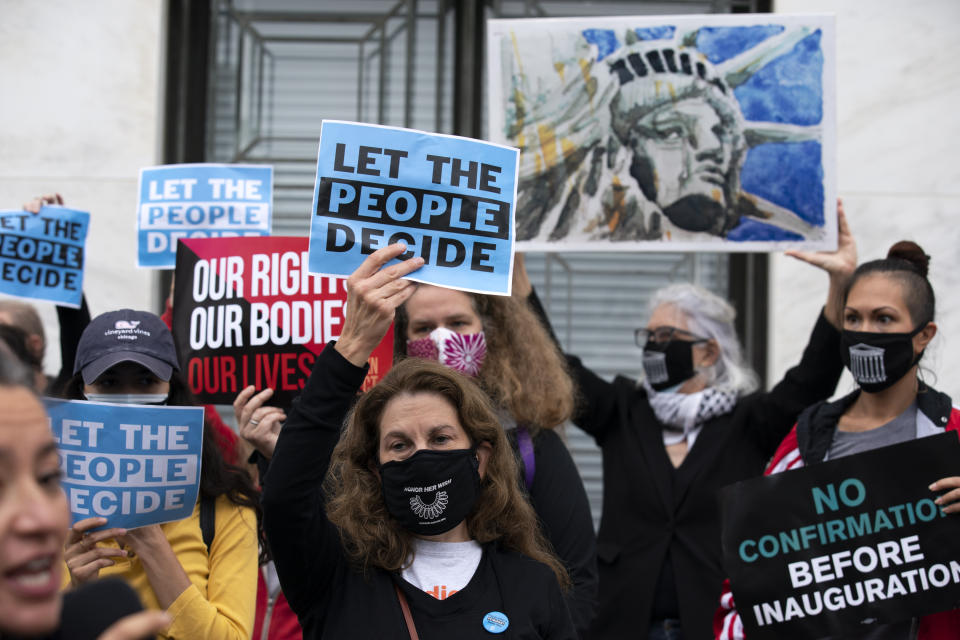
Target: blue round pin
[(496, 622)]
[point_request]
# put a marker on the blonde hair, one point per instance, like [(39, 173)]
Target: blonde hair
[(371, 536)]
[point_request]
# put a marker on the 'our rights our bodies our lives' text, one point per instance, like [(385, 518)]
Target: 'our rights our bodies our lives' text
[(252, 302)]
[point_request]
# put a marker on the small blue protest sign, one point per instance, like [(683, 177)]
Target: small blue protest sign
[(200, 201), (131, 464), (450, 199), (42, 254)]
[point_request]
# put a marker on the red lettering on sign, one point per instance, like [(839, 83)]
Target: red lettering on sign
[(305, 362)]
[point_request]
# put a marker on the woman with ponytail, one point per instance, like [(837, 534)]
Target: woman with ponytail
[(888, 322)]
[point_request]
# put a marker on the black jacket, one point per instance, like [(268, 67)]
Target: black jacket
[(817, 425), (558, 497), (330, 596), (652, 512)]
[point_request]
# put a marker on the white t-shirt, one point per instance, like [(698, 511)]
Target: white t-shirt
[(442, 568)]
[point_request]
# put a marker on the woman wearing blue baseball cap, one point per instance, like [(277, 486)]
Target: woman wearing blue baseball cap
[(202, 570)]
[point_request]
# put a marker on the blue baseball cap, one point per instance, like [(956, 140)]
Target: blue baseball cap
[(126, 336)]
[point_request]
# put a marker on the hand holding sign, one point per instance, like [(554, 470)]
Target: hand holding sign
[(373, 295), (84, 554), (950, 501), (164, 571), (39, 202)]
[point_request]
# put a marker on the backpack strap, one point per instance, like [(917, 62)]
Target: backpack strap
[(525, 447), (208, 520)]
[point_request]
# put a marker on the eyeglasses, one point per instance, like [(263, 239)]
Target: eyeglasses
[(665, 334)]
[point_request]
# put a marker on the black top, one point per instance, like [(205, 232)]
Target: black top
[(72, 323), (558, 497), (91, 609), (652, 511), (330, 596)]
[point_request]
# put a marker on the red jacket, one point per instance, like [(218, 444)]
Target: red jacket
[(934, 408), (274, 619)]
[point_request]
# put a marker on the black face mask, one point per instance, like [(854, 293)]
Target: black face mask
[(431, 492), (667, 364), (878, 360)]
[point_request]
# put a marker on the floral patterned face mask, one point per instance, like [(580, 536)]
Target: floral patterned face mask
[(463, 352)]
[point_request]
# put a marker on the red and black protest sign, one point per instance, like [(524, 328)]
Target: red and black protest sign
[(845, 544), (247, 312)]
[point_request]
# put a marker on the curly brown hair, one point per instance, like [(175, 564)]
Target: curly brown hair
[(370, 535), (524, 372)]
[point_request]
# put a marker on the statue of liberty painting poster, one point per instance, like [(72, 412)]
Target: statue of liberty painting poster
[(712, 132)]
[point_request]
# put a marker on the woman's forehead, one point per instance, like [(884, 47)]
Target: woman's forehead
[(421, 411), (876, 290), (666, 314), (429, 300)]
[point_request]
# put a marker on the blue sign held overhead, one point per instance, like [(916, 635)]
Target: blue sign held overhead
[(42, 254), (134, 465), (200, 201), (450, 199)]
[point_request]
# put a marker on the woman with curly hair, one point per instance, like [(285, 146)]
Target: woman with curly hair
[(411, 523)]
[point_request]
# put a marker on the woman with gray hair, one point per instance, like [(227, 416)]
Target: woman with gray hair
[(694, 424)]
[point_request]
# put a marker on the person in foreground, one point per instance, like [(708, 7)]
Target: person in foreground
[(501, 344), (420, 489), (34, 521), (888, 322), (206, 581), (693, 424)]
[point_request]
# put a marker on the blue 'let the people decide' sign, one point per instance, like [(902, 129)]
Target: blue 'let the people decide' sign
[(450, 199), (42, 254), (131, 464), (200, 201)]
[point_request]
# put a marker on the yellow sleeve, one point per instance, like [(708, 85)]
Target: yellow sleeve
[(227, 609)]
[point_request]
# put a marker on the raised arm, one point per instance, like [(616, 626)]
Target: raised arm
[(815, 377), (596, 406), (72, 321), (305, 545)]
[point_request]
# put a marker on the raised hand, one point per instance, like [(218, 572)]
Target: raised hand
[(258, 425), (839, 264), (373, 294), (35, 204)]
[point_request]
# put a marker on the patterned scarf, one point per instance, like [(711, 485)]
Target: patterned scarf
[(683, 414)]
